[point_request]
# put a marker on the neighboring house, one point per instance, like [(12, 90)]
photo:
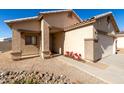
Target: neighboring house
[(5, 44), (120, 42), (61, 31)]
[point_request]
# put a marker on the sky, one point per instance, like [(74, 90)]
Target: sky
[(8, 14)]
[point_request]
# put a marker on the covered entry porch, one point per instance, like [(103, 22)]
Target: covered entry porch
[(25, 43), (52, 41), (44, 42)]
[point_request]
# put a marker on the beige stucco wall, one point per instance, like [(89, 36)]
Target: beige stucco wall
[(89, 49), (60, 19), (74, 39), (33, 25), (30, 49), (105, 45), (16, 41), (45, 51), (120, 42)]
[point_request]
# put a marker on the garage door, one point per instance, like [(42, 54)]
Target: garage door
[(120, 45), (106, 45)]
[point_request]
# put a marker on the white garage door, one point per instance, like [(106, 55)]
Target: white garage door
[(106, 45), (120, 42)]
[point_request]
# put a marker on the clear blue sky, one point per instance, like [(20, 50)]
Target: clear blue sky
[(8, 14)]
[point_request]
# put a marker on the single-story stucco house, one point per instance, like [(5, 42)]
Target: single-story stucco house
[(61, 31)]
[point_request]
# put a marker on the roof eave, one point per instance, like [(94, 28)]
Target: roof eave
[(102, 15), (114, 24), (56, 11), (77, 16), (21, 19), (119, 35)]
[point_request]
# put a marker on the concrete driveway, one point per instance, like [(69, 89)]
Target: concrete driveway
[(110, 69), (116, 60), (115, 71)]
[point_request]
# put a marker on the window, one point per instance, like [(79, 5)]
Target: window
[(30, 40)]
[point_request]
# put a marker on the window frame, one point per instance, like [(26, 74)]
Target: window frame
[(29, 40)]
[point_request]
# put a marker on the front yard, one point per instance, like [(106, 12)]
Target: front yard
[(52, 65), (107, 70)]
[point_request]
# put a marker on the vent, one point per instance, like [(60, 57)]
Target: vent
[(70, 14)]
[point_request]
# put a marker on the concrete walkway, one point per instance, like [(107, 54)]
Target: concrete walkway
[(109, 69)]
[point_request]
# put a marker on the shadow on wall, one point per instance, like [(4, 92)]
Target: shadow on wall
[(5, 46), (57, 42), (105, 43)]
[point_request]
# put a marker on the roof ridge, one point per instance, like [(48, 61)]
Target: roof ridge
[(59, 11), (103, 14), (55, 11)]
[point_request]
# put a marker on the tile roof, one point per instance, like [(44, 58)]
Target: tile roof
[(83, 23), (92, 20)]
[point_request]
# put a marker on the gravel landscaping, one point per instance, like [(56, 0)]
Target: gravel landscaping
[(34, 77)]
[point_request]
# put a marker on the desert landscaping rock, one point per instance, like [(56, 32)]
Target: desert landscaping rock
[(35, 77)]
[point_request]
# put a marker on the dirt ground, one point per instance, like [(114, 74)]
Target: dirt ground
[(52, 65)]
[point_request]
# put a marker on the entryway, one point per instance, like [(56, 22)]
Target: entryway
[(56, 42)]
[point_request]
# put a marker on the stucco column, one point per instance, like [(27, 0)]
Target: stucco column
[(45, 39), (16, 44), (89, 49)]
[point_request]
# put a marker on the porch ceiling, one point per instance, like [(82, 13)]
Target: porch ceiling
[(29, 31), (54, 29)]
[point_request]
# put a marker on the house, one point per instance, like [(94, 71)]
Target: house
[(5, 44), (63, 31), (120, 42)]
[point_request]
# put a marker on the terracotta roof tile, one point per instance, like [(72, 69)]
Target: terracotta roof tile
[(83, 23)]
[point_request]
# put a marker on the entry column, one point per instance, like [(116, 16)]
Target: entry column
[(16, 44), (45, 39)]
